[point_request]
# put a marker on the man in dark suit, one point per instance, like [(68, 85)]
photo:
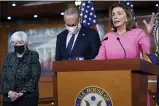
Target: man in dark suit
[(77, 40)]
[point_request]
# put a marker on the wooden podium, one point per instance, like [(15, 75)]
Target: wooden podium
[(125, 80)]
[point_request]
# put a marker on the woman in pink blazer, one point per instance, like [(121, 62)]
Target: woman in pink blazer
[(125, 41)]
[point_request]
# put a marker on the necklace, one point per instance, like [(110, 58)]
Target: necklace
[(121, 34)]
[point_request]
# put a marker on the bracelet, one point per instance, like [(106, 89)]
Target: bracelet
[(9, 93)]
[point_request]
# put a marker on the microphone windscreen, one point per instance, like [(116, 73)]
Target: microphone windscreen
[(118, 38)]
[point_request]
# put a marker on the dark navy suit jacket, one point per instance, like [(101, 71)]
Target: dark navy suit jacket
[(86, 45)]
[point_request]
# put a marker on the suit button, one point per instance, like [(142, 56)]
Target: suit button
[(18, 70)]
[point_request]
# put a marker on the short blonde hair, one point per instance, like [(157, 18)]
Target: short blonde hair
[(18, 37)]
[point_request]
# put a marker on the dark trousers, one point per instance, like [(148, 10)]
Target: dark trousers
[(23, 101)]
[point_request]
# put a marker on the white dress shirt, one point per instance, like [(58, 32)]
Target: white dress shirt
[(69, 38)]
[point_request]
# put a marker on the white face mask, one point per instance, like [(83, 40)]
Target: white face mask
[(74, 29)]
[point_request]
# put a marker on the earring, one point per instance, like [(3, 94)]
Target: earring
[(112, 29)]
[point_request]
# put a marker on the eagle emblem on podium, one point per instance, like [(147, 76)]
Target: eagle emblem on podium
[(93, 96)]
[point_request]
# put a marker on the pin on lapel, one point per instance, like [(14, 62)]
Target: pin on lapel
[(83, 34)]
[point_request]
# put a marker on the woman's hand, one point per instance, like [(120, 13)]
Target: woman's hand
[(151, 24), (14, 95)]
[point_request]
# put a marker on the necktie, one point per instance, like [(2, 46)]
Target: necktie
[(70, 44)]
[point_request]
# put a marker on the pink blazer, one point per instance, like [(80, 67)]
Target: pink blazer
[(132, 41)]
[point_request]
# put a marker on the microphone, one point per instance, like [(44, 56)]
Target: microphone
[(122, 47), (106, 38)]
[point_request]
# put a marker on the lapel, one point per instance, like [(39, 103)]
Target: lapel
[(64, 38), (19, 62), (79, 39), (16, 62), (13, 64)]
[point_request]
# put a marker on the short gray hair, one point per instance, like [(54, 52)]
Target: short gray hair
[(71, 11), (18, 37)]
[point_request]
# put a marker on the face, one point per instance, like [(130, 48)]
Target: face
[(119, 17), (20, 43), (71, 23), (19, 47), (71, 20)]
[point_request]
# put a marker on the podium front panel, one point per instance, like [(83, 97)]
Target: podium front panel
[(117, 84)]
